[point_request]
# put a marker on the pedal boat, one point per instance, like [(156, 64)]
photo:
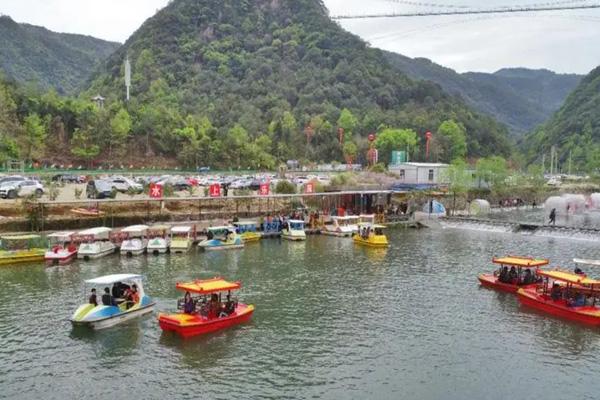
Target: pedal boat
[(159, 239), (570, 303), (247, 231), (181, 239), (101, 316), (95, 243), (221, 238), (341, 226), (62, 250), (135, 241), (202, 321), (370, 235), (293, 230), (521, 264), (22, 249)]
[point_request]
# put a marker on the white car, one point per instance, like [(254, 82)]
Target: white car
[(11, 190), (122, 184)]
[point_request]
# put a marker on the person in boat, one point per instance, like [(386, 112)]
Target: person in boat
[(189, 307), (528, 278), (93, 298), (503, 276), (556, 292), (107, 299), (577, 301), (131, 296), (579, 271), (512, 275), (214, 306), (229, 306)]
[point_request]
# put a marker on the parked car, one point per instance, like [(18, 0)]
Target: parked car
[(100, 189), (123, 185), (13, 178), (14, 189), (68, 178)]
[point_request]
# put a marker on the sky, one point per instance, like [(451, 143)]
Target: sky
[(562, 41)]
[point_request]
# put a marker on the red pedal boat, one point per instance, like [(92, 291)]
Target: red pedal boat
[(565, 295), (514, 272), (208, 313)]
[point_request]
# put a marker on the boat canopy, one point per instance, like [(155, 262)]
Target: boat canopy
[(21, 237), (296, 221), (181, 229), (135, 229), (97, 232), (244, 223), (209, 286), (569, 277), (586, 262), (347, 218), (110, 279), (61, 235), (527, 262)]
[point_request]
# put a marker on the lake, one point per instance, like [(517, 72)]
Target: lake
[(332, 321)]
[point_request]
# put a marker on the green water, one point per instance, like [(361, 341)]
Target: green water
[(332, 321)]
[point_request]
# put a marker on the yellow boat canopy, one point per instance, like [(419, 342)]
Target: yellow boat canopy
[(21, 237), (209, 286), (569, 277), (518, 261)]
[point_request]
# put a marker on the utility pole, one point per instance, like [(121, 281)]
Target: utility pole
[(544, 164), (570, 159), (552, 160), (127, 76)]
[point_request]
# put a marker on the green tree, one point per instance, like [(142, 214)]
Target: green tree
[(391, 139), (35, 134), (120, 126), (456, 136), (350, 152), (83, 147), (347, 121), (493, 171), (459, 180)]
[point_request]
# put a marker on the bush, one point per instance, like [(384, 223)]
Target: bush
[(53, 192), (343, 179), (285, 187), (378, 168), (78, 193)]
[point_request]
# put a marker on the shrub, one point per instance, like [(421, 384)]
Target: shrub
[(378, 168), (78, 193), (53, 192), (285, 187)]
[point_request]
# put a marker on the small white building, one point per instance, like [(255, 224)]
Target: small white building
[(412, 173)]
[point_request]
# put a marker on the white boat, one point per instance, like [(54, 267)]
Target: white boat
[(367, 219), (222, 238), (136, 240), (159, 239), (95, 243), (62, 248), (342, 226), (293, 230), (110, 311), (181, 239)]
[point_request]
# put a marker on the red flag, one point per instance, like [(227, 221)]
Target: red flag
[(215, 190), (309, 188), (156, 191), (264, 189)]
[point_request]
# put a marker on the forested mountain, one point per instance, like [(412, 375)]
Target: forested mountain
[(520, 98), (50, 60), (574, 129), (250, 83)]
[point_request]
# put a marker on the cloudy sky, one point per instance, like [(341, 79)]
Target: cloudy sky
[(564, 41)]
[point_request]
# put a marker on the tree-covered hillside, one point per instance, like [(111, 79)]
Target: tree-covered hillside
[(574, 129), (250, 83), (31, 54), (518, 97)]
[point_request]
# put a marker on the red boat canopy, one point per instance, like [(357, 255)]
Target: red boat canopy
[(528, 262), (209, 286), (564, 276)]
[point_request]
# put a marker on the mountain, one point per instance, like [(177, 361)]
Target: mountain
[(51, 60), (520, 98), (574, 129), (267, 69)]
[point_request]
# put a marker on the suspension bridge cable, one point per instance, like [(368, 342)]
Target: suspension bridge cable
[(470, 12)]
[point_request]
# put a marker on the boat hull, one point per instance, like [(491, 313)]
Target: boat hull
[(585, 315), (95, 250), (248, 237), (293, 236), (21, 256), (218, 245), (61, 257), (376, 241), (492, 282), (188, 326), (114, 320)]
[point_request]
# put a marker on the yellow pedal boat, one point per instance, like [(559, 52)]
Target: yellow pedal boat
[(22, 249), (370, 235)]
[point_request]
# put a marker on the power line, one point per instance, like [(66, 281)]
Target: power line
[(470, 12)]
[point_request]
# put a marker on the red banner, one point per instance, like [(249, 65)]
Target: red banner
[(309, 188), (156, 191), (215, 190), (264, 189)]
